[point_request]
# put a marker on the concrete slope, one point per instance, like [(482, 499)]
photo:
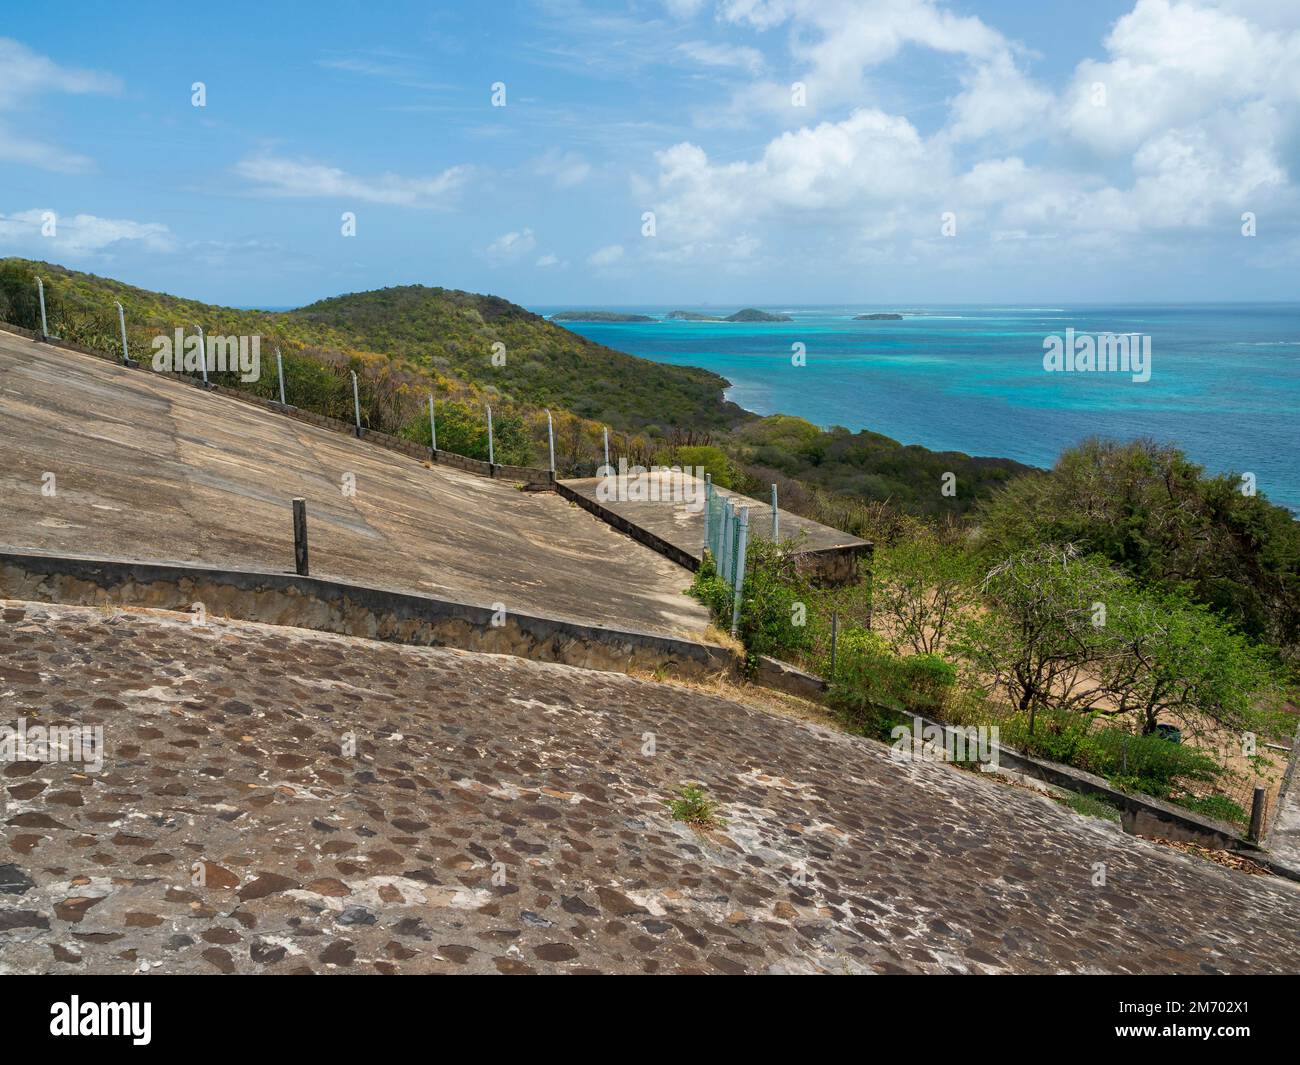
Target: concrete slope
[(151, 468), (503, 815)]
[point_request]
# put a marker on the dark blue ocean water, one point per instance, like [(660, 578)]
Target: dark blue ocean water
[(1225, 379)]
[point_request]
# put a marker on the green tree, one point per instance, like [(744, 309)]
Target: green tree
[(1147, 508), (1167, 655), (18, 301), (1037, 636), (713, 460), (462, 430), (922, 587)]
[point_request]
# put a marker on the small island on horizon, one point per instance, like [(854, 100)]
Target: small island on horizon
[(599, 316), (878, 316), (748, 314)]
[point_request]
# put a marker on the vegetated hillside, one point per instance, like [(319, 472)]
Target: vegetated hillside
[(439, 329), (544, 364), (870, 466)]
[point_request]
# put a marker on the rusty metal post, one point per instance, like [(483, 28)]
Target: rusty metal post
[(300, 537)]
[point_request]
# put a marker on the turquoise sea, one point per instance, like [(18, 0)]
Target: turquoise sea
[(1224, 384)]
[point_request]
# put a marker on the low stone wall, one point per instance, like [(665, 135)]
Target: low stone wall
[(523, 474), (1142, 815), (351, 610), (781, 676)]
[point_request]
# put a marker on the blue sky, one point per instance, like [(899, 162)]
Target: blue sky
[(1093, 151)]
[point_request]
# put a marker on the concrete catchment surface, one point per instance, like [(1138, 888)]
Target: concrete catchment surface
[(275, 800), (99, 459)]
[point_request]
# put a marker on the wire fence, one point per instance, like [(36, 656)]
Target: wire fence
[(726, 536), (217, 362)]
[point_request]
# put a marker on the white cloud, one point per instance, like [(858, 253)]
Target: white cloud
[(1175, 63), (834, 43), (27, 73), (510, 246), (81, 234), (723, 55), (606, 256), (999, 100), (548, 260), (834, 167), (24, 74), (1202, 115), (566, 169), (28, 151), (277, 176)]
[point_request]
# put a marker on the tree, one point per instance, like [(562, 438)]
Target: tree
[(1038, 635), (1171, 656), (712, 460), (922, 587), (18, 300), (1147, 508)]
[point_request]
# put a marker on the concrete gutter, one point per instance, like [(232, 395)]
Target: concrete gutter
[(351, 610)]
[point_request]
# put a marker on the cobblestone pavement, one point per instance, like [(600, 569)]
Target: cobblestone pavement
[(501, 815)]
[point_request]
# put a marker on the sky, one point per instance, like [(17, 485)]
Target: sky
[(748, 152)]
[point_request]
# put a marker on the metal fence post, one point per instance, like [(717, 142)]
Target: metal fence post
[(300, 537), (279, 372), (835, 636), (356, 401), (121, 320), (433, 431), (728, 531), (203, 355), (40, 291), (550, 439), (742, 535), (492, 454), (776, 518), (708, 507)]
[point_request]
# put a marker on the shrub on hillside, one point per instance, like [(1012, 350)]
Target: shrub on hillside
[(774, 601), (1132, 762), (873, 689)]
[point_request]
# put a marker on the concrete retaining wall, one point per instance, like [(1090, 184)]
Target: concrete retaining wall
[(351, 610)]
